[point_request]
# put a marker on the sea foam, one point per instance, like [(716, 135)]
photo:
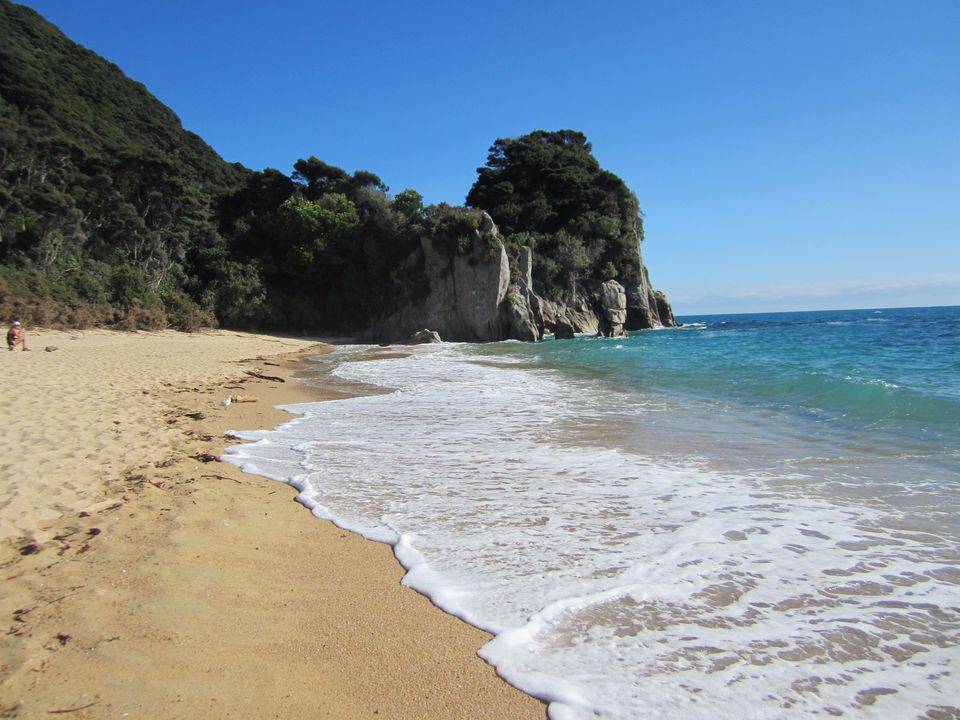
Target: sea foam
[(619, 583)]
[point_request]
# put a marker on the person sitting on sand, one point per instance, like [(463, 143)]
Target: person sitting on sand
[(16, 336)]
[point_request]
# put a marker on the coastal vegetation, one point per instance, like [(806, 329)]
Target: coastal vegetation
[(547, 191), (112, 214)]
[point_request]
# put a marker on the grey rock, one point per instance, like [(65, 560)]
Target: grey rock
[(664, 309), (563, 330), (582, 314), (578, 313), (642, 312), (550, 312), (613, 302), (522, 303), (423, 337), (469, 297), (465, 292)]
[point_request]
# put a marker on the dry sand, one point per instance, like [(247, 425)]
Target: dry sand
[(137, 580)]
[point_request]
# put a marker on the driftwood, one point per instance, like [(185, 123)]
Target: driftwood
[(75, 709), (222, 477), (261, 376)]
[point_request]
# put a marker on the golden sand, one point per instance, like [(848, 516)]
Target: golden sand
[(137, 580)]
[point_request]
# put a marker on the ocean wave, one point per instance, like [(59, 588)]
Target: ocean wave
[(621, 581)]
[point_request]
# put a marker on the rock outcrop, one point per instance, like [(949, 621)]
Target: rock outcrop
[(470, 297), (613, 303), (523, 310), (424, 337), (466, 291), (643, 309), (563, 330), (579, 312), (664, 309)]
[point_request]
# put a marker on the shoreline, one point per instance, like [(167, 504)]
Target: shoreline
[(175, 587)]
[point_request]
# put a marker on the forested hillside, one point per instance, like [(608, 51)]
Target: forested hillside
[(102, 192), (112, 214)]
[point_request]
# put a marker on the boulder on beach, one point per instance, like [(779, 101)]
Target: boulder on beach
[(423, 337)]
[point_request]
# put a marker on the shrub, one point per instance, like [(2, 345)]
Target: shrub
[(184, 314), (452, 229), (138, 317), (126, 285)]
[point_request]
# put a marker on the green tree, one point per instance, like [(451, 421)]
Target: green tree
[(409, 204), (317, 231), (318, 177), (237, 294), (547, 189)]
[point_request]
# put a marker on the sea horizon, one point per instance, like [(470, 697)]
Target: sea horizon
[(680, 316)]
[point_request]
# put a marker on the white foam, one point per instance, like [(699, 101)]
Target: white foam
[(618, 585)]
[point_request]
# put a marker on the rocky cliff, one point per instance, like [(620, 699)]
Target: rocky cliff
[(472, 296)]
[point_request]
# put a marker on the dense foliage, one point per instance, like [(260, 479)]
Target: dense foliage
[(313, 251), (111, 213), (547, 190), (102, 192)]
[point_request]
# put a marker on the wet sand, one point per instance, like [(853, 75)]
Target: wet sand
[(141, 578)]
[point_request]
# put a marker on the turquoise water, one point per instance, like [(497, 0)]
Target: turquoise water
[(895, 372), (751, 516), (875, 393)]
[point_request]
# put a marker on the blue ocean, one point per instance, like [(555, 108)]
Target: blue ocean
[(750, 516)]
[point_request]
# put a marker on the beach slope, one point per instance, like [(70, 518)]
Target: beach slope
[(143, 578)]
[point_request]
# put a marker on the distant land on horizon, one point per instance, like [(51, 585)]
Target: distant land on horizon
[(942, 290), (683, 316)]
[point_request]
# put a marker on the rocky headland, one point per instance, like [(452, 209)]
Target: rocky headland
[(480, 296)]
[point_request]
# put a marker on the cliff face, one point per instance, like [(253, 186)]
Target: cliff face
[(471, 298), (466, 293), (646, 307)]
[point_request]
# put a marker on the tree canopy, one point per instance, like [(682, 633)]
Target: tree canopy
[(547, 190)]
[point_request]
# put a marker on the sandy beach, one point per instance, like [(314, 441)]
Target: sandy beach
[(143, 578)]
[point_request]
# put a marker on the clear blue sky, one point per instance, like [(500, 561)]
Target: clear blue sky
[(787, 155)]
